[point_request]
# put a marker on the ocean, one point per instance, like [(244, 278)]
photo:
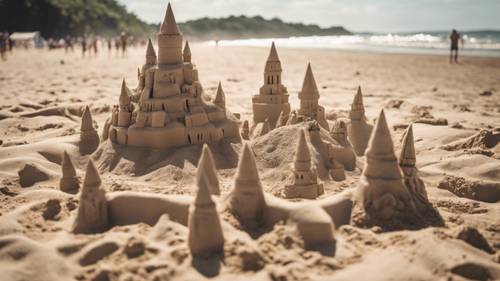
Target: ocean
[(474, 43)]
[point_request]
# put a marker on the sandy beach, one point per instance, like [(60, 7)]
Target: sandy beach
[(456, 113)]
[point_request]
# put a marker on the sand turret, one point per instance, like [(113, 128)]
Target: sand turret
[(169, 40), (309, 96), (407, 161), (273, 96), (339, 132), (245, 130), (220, 97), (358, 130), (246, 201), (89, 139), (150, 54), (266, 127), (305, 180), (69, 181), (381, 188), (186, 54), (92, 214), (169, 109), (282, 119), (207, 163), (205, 232)]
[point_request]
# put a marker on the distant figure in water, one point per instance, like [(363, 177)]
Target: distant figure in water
[(454, 38)]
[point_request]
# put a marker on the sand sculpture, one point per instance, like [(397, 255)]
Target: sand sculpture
[(309, 96), (282, 119), (168, 109), (245, 130), (266, 128), (381, 188), (305, 179), (247, 202), (69, 181), (247, 197), (92, 214), (89, 139), (407, 161), (205, 232), (210, 173), (359, 130), (273, 96), (337, 157)]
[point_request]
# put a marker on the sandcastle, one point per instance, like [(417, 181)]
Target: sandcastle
[(309, 97), (69, 181), (407, 161), (382, 190), (305, 179), (89, 139), (359, 130), (92, 214), (168, 109), (272, 99), (205, 232), (314, 220)]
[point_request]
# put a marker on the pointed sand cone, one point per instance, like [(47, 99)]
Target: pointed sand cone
[(186, 54), (247, 198), (357, 103), (302, 160), (381, 186), (89, 139), (69, 182), (87, 123), (205, 231), (407, 161), (273, 54), (124, 99), (359, 131), (169, 25), (407, 156), (309, 87), (92, 214), (281, 120), (206, 168), (150, 53), (245, 130), (220, 98), (266, 127)]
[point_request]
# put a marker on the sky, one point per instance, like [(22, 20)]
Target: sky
[(355, 15)]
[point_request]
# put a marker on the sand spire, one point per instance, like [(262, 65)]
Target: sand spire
[(169, 25), (69, 182), (207, 173), (309, 87), (220, 98), (205, 232), (266, 127), (273, 54), (124, 99), (92, 215), (281, 120), (89, 139), (87, 123), (407, 156), (358, 130), (150, 53), (302, 160), (186, 54), (247, 198), (357, 103), (245, 130), (382, 189)]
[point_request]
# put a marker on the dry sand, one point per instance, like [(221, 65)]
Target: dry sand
[(43, 95)]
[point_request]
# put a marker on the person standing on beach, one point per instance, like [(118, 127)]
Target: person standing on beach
[(4, 37), (454, 38), (123, 39), (84, 45)]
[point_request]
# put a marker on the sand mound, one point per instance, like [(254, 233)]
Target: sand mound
[(31, 174), (472, 189), (483, 139)]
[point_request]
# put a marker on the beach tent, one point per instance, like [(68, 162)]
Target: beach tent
[(27, 39)]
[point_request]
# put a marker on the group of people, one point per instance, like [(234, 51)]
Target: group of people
[(5, 44), (90, 44)]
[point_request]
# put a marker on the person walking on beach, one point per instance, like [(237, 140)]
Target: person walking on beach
[(454, 38), (84, 45), (123, 39), (4, 37)]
